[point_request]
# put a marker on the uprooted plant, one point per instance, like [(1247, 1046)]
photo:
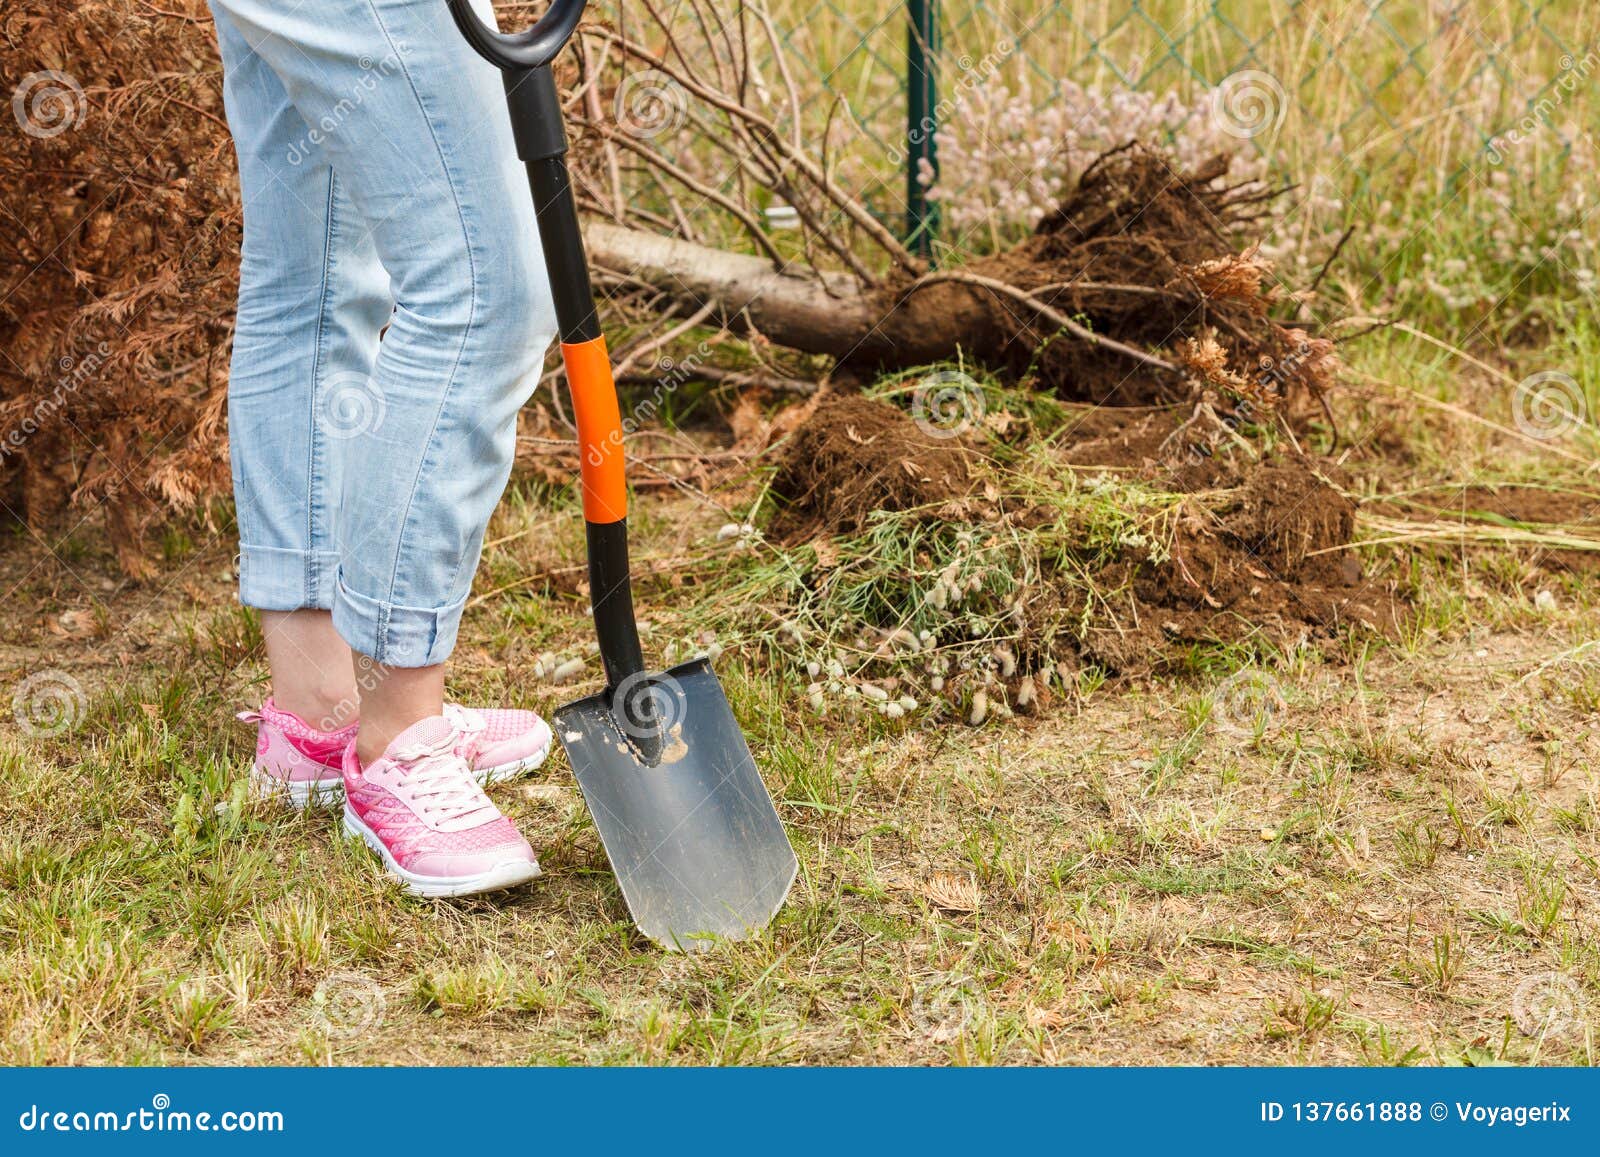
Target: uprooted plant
[(1143, 285)]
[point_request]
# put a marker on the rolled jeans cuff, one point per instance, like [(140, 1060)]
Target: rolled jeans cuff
[(393, 635), (277, 579)]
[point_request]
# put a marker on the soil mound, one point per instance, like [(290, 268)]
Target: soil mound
[(1257, 551), (853, 456), (1268, 562)]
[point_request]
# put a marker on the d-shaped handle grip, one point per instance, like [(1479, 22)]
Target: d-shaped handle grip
[(514, 51)]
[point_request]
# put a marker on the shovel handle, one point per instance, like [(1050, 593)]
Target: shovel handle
[(535, 106), (532, 48)]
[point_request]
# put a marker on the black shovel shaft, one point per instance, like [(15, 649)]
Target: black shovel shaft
[(535, 108)]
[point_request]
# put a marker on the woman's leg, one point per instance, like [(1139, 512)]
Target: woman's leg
[(310, 667), (313, 298), (416, 128)]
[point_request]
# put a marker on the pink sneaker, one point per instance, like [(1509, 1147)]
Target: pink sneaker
[(499, 742), (420, 807), (301, 765), (296, 762)]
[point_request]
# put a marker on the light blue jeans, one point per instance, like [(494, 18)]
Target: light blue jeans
[(394, 312)]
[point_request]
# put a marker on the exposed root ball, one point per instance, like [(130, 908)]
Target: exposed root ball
[(1146, 255)]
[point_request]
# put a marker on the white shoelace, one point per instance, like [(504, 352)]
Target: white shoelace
[(442, 784), (470, 724)]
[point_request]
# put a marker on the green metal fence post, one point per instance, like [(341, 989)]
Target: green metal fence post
[(922, 122)]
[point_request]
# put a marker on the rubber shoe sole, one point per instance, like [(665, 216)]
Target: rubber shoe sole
[(297, 793), (510, 874)]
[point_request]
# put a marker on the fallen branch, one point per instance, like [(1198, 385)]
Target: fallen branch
[(830, 313)]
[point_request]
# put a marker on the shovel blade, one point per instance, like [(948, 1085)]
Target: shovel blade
[(691, 832)]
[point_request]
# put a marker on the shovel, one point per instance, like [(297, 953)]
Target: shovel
[(690, 830)]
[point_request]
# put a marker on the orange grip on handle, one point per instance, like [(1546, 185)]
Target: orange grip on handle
[(594, 403)]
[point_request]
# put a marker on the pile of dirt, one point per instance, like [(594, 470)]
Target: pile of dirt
[(1257, 550), (1262, 550), (1266, 559), (853, 456)]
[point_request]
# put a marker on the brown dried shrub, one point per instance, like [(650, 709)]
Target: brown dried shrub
[(119, 240)]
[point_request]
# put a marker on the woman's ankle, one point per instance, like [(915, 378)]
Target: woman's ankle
[(310, 666), (325, 708)]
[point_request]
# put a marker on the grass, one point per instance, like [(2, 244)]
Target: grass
[(1400, 835), (1367, 873)]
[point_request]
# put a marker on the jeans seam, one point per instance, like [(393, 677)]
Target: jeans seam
[(314, 447), (466, 334)]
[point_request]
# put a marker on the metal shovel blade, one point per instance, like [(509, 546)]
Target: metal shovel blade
[(692, 834)]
